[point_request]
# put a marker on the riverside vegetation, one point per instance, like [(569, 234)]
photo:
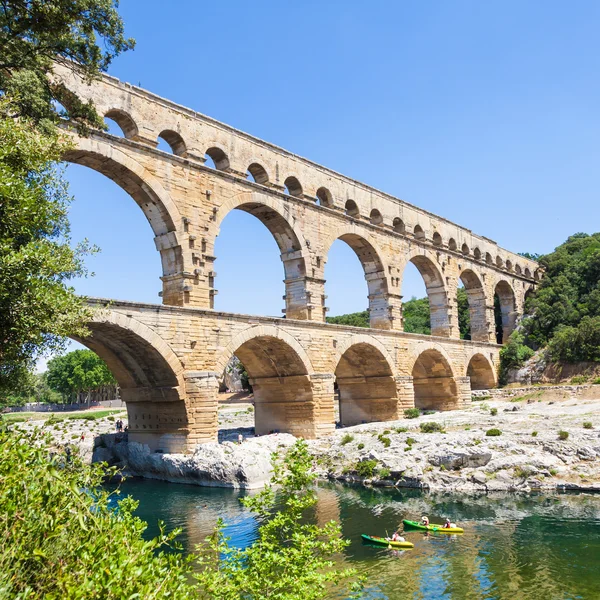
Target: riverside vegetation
[(63, 536)]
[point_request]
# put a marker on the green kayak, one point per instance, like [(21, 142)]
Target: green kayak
[(432, 527), (385, 542)]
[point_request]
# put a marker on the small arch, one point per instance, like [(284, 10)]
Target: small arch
[(433, 382), (419, 233), (452, 244), (509, 265), (489, 259), (366, 386), (437, 239), (398, 225), (293, 187), (499, 261), (504, 311), (518, 269), (352, 209), (477, 253), (124, 121), (174, 140), (481, 373), (324, 197), (258, 173), (219, 158), (527, 273), (375, 217), (465, 249)]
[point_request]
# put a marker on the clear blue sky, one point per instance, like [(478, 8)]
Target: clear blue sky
[(483, 112)]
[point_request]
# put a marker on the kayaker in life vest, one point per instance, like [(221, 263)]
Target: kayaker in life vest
[(396, 537), (425, 521), (448, 525)]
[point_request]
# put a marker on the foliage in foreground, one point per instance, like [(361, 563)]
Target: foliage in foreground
[(60, 540), (291, 558)]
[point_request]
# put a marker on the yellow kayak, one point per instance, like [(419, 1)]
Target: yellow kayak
[(385, 542), (432, 527)]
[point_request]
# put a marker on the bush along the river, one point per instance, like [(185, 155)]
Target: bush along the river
[(64, 536)]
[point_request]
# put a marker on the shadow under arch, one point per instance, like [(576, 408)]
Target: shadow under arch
[(102, 156), (508, 310), (477, 305), (366, 385), (481, 372), (433, 381), (436, 293), (375, 276), (279, 371), (150, 377), (271, 214)]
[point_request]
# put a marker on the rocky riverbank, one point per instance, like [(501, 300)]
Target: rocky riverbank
[(545, 439)]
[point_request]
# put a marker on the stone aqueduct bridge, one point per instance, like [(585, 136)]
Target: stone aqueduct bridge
[(167, 357)]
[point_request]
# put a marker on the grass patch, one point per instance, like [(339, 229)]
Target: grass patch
[(480, 398), (588, 425), (563, 435), (360, 446), (534, 434), (493, 412), (523, 472), (494, 432), (431, 427), (410, 441), (596, 381), (553, 472), (412, 413), (346, 439), (383, 473), (579, 380), (401, 429)]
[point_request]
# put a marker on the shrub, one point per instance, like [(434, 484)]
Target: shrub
[(596, 381), (412, 413), (563, 435), (383, 473), (493, 412), (431, 427), (477, 442), (250, 409), (401, 429), (534, 434), (410, 441), (365, 468), (580, 342), (494, 432), (523, 472), (387, 432), (553, 472), (587, 425), (429, 412), (480, 398), (384, 440), (346, 439), (578, 379), (513, 355), (360, 446)]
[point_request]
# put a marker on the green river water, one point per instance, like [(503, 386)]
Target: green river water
[(514, 547)]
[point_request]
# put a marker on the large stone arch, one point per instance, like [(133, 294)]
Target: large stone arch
[(436, 292), (150, 376), (434, 382), (366, 384), (374, 268), (280, 374), (478, 304), (272, 213), (100, 153), (481, 372)]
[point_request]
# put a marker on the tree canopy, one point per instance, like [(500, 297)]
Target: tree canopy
[(34, 34), (78, 371), (37, 262), (565, 310)]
